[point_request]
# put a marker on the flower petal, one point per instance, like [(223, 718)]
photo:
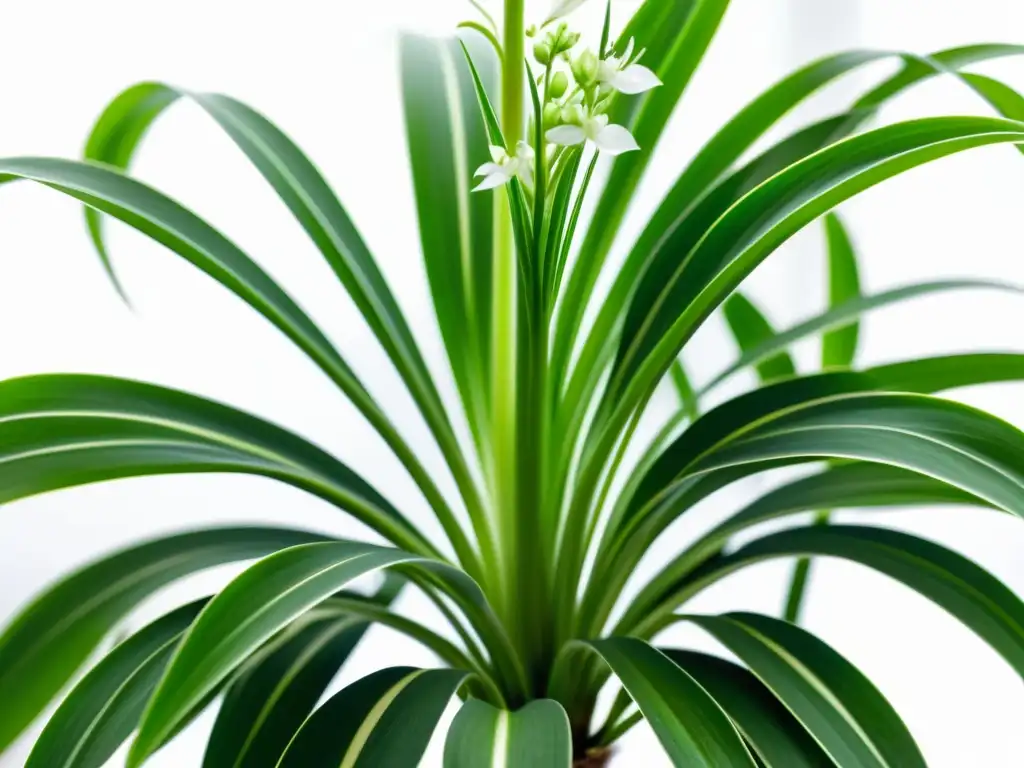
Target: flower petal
[(496, 179), (487, 168), (566, 135), (614, 139), (498, 153), (636, 78), (563, 7)]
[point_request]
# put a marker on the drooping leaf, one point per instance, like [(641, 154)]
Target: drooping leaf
[(845, 315), (695, 271), (535, 736), (690, 725), (968, 592), (776, 736), (268, 702), (261, 601), (103, 709), (385, 719), (41, 649), (837, 704), (64, 430), (750, 328)]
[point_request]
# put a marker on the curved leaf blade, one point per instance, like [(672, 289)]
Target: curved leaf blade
[(751, 328), (45, 644), (839, 346), (102, 710), (386, 718), (837, 704), (535, 736), (690, 725), (268, 702), (777, 738), (256, 605)]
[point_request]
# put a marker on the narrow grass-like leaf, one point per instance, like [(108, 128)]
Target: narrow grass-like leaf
[(103, 709), (837, 704), (64, 430), (778, 738), (46, 643), (385, 719), (839, 345), (690, 725), (270, 699), (750, 328), (261, 601), (535, 736)]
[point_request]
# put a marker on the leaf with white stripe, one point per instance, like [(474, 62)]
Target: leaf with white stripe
[(535, 736), (837, 704), (385, 719)]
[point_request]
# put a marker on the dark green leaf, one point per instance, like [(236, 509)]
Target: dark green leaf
[(385, 719), (53, 636), (535, 736), (750, 328), (104, 708), (691, 727), (837, 704), (271, 698), (777, 737), (64, 430)]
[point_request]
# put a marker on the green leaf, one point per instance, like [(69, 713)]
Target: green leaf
[(385, 719), (777, 737), (64, 430), (750, 328), (837, 704), (256, 605), (690, 725), (535, 736), (447, 142), (685, 282), (839, 316), (46, 643), (272, 697), (103, 709), (839, 346), (688, 403)]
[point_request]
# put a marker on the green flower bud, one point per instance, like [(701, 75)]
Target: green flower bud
[(572, 114), (584, 68), (531, 30), (552, 115), (542, 53), (558, 85)]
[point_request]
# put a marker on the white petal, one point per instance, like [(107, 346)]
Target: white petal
[(562, 7), (636, 78), (498, 153), (487, 169), (524, 151), (494, 180), (614, 139), (566, 135)]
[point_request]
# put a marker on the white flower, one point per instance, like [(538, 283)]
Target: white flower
[(562, 8), (613, 139), (625, 77), (504, 167)]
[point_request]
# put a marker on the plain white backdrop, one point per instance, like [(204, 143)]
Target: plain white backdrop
[(326, 73)]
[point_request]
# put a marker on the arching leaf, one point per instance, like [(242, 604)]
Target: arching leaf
[(535, 736)]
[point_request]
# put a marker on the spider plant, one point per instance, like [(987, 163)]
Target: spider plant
[(557, 490)]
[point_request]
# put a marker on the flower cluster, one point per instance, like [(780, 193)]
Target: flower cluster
[(577, 90)]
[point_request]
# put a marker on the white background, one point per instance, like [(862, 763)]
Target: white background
[(325, 71)]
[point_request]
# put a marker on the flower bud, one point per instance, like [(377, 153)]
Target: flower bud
[(542, 53), (572, 114), (558, 85), (584, 68), (531, 30), (552, 115)]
